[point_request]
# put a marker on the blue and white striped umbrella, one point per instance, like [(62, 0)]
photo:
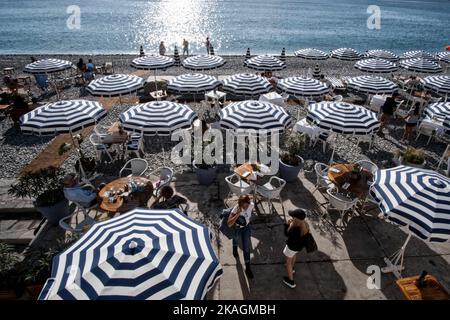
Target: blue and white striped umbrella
[(115, 85), (417, 54), (417, 198), (420, 65), (347, 54), (439, 84), (443, 56), (265, 63), (311, 54), (246, 84), (440, 110), (152, 62), (62, 117), (372, 85), (375, 65), (382, 54), (192, 83), (203, 62), (254, 115), (157, 118), (140, 255), (47, 66), (303, 87), (343, 118)]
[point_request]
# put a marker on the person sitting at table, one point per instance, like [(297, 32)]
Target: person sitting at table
[(387, 111), (411, 120), (168, 199), (413, 83), (84, 195)]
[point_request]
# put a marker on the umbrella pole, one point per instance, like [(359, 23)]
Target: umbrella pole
[(334, 147), (156, 83), (394, 264)]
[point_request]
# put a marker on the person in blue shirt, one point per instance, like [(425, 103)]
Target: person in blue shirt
[(90, 68)]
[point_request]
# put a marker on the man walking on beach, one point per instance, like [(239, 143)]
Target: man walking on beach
[(185, 47), (208, 45), (162, 49)]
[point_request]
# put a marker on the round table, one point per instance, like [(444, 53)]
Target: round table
[(340, 174), (127, 201)]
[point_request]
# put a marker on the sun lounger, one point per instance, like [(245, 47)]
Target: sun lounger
[(336, 83)]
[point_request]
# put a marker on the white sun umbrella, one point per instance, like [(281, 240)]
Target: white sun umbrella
[(115, 85), (439, 84), (441, 111), (420, 65), (265, 63), (375, 65), (140, 255), (343, 118), (47, 66), (303, 87), (416, 198), (382, 54), (192, 83), (417, 54), (246, 84), (203, 62), (347, 54), (153, 62), (443, 56), (62, 117), (254, 115), (311, 54), (157, 118), (372, 85)]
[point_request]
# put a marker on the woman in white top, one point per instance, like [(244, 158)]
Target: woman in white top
[(244, 209)]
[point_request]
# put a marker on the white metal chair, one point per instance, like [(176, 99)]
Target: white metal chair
[(136, 144), (340, 203), (100, 147), (237, 187), (71, 222), (426, 130), (368, 165), (272, 191), (134, 167), (165, 176), (338, 98), (322, 181)]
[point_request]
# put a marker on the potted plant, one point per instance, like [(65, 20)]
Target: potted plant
[(411, 157), (290, 161), (8, 272), (45, 187), (206, 172)]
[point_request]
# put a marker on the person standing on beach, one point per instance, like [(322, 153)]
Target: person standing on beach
[(185, 47), (208, 45), (387, 111), (81, 65), (162, 49)]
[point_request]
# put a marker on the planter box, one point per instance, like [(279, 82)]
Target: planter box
[(55, 212), (290, 173)]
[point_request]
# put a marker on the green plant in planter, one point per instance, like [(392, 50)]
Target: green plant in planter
[(8, 267), (412, 155), (295, 144), (43, 185)]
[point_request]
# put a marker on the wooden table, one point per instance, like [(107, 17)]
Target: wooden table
[(128, 202), (344, 173), (245, 171), (433, 290)]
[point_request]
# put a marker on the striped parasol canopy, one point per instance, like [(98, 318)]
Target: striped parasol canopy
[(303, 87), (440, 110), (347, 54), (375, 65), (317, 72), (62, 117), (420, 65), (311, 54), (192, 83), (115, 85), (247, 54), (176, 57), (157, 118), (283, 55), (153, 62), (254, 115), (439, 84), (382, 54), (47, 66), (141, 255), (246, 84), (443, 56), (203, 62), (265, 63), (416, 198), (343, 118), (372, 85), (417, 54)]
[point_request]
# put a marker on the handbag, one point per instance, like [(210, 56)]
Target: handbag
[(224, 228), (310, 243), (232, 218)]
